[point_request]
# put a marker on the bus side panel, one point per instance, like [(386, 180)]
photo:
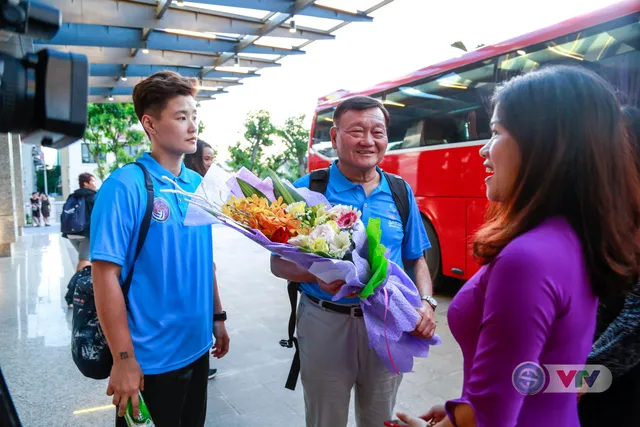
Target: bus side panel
[(476, 209), (317, 162), (453, 170), (448, 217)]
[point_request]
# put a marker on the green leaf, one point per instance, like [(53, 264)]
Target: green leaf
[(249, 190), (288, 194), (378, 262)]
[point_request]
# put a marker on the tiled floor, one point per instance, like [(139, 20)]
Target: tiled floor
[(249, 389)]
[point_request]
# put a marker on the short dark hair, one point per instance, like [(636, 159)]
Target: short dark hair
[(359, 103), (85, 178), (150, 96)]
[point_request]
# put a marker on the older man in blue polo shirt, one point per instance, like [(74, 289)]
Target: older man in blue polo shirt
[(160, 344), (334, 350)]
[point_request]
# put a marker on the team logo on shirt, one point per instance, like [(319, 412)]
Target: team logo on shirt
[(160, 210), (395, 224)]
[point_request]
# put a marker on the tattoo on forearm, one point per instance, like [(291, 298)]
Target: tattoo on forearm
[(124, 355)]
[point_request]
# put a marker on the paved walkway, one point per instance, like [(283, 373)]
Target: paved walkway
[(48, 390)]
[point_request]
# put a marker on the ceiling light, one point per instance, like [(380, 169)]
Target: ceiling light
[(180, 3), (293, 27), (123, 78), (521, 52), (110, 98), (145, 51)]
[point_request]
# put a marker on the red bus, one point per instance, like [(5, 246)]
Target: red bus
[(440, 118)]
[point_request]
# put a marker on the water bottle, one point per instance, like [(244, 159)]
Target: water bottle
[(145, 417)]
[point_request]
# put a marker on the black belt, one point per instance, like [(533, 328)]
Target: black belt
[(352, 310)]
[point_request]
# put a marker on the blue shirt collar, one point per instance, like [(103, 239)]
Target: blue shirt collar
[(158, 171), (341, 183)]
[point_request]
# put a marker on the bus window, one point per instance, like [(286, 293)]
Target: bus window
[(443, 110), (321, 143), (610, 49)]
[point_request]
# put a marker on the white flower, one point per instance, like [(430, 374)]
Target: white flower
[(340, 244), (324, 231), (300, 240)]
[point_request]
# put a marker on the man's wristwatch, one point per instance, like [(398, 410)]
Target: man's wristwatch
[(220, 317), (431, 300)]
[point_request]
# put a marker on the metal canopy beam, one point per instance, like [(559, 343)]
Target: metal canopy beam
[(95, 81), (109, 55), (105, 36), (269, 27), (127, 90), (139, 14), (126, 98), (282, 6), (161, 9), (133, 39), (104, 99), (117, 70)]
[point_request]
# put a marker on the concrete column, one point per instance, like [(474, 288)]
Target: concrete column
[(11, 193), (64, 172), (16, 148), (7, 196)]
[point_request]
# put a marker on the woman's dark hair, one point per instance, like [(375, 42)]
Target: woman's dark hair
[(195, 161), (577, 162), (632, 120)]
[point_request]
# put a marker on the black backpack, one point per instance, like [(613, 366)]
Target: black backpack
[(318, 182), (74, 218), (89, 347)]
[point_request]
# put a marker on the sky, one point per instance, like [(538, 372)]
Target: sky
[(405, 35)]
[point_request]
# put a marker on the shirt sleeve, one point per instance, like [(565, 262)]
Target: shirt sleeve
[(114, 221), (520, 305), (303, 182), (618, 347), (415, 240)]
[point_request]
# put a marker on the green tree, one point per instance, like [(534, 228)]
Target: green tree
[(296, 138), (110, 130), (259, 132), (53, 179)]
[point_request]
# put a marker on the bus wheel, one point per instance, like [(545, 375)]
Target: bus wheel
[(432, 255)]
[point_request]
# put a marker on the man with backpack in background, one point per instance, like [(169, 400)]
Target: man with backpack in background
[(332, 342), (75, 220)]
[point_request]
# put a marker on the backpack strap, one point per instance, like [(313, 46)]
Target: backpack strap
[(319, 180), (292, 289), (400, 196), (144, 229)]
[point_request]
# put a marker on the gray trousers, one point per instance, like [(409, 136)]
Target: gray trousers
[(335, 357)]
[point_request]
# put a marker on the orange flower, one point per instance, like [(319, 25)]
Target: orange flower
[(259, 214)]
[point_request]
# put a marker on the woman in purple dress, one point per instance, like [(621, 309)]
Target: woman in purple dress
[(563, 230)]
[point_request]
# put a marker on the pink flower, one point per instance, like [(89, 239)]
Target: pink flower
[(347, 220)]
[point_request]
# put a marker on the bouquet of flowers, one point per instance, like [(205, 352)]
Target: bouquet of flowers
[(331, 242)]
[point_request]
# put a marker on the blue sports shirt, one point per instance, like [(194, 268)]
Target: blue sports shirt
[(408, 243), (171, 294)]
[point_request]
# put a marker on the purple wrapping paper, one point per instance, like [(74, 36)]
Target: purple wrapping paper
[(403, 297)]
